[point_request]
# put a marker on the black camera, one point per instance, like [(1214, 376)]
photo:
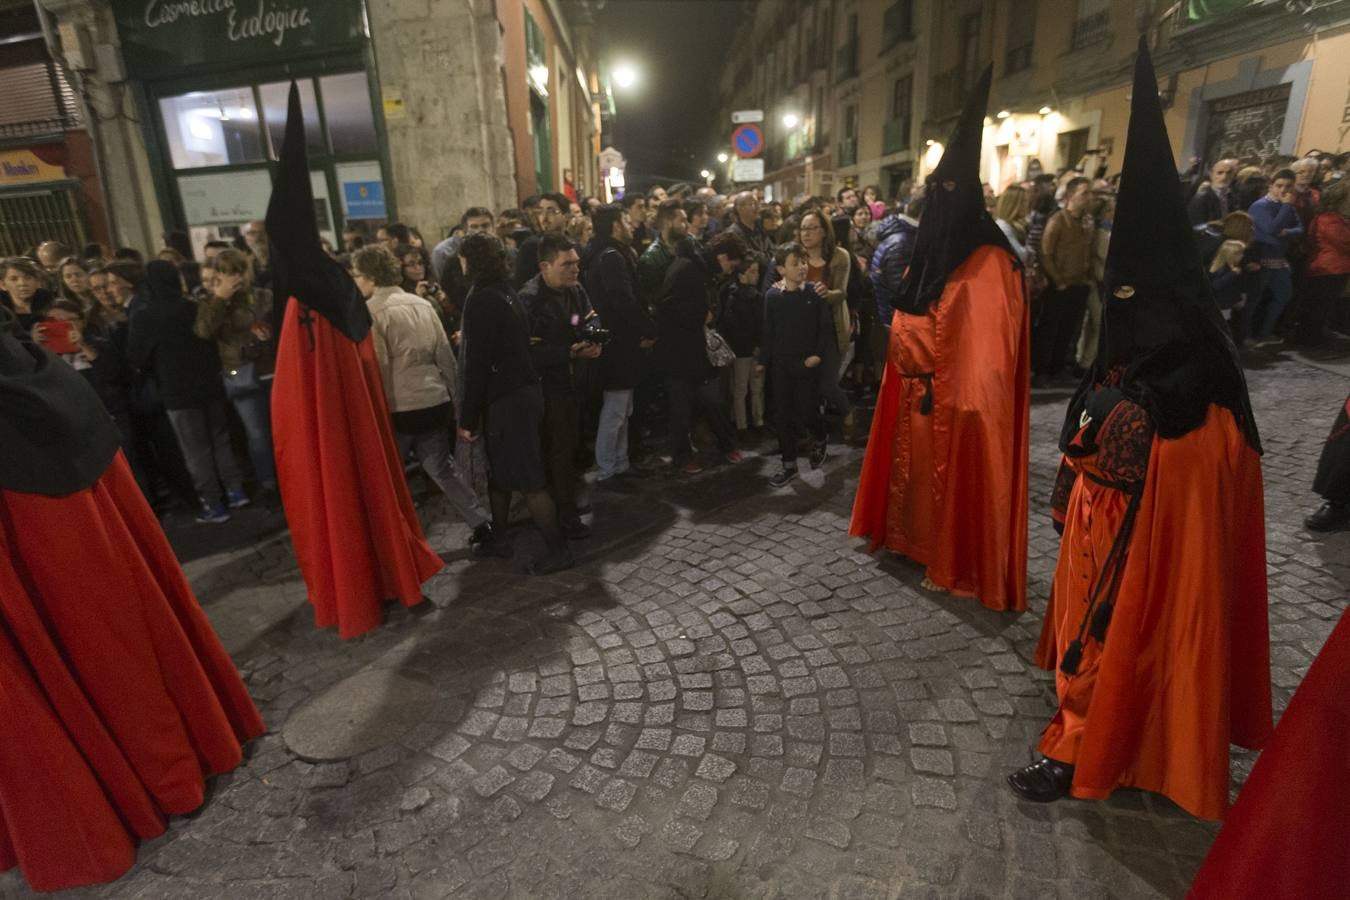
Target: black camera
[(593, 331)]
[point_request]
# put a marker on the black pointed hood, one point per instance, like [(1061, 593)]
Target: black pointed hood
[(303, 270), (55, 435), (955, 221), (1163, 337)]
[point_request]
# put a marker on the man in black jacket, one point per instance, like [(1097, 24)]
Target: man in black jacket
[(682, 355), (557, 308), (611, 281), (187, 369), (1215, 200)]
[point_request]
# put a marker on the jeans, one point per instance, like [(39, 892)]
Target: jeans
[(435, 451), (1091, 330), (205, 440), (561, 433), (796, 405), (1055, 334), (1277, 287), (746, 380), (611, 437), (255, 411), (687, 395)]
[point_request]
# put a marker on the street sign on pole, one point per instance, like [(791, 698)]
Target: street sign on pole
[(747, 141), (742, 116), (743, 170)]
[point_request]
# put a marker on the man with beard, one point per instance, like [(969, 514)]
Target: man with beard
[(1156, 623), (944, 481)]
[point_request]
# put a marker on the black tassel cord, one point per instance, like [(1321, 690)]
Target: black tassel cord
[(1101, 602)]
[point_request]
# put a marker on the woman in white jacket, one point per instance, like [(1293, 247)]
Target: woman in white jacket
[(418, 369)]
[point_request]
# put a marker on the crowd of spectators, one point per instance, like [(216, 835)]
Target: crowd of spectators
[(634, 337)]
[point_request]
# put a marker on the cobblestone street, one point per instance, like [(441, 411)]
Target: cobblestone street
[(727, 698)]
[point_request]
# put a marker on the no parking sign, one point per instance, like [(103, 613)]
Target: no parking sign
[(747, 141)]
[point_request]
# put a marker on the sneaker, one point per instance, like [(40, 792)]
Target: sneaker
[(213, 514), (818, 453), (783, 477), (236, 499), (689, 468), (732, 456), (547, 565)]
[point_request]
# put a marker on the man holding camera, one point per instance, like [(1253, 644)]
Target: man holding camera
[(557, 309)]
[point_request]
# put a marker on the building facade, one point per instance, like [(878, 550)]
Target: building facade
[(413, 111), (872, 87)]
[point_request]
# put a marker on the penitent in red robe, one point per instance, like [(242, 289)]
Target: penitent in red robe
[(1288, 835), (116, 697), (944, 481), (352, 520), (1184, 669)]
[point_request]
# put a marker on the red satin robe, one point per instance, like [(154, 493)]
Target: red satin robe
[(352, 520), (1185, 666), (947, 487), (116, 697), (1288, 835)]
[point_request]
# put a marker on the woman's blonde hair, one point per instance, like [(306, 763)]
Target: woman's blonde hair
[(1010, 203), (577, 227), (1229, 255)]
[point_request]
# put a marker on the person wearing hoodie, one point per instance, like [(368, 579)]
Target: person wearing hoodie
[(944, 480), (1156, 626), (160, 338)]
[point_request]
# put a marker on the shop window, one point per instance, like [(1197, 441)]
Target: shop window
[(212, 128), (275, 97), (346, 105)]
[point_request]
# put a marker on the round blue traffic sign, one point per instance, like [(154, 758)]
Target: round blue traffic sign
[(747, 140)]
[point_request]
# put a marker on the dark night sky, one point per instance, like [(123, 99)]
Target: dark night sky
[(668, 125)]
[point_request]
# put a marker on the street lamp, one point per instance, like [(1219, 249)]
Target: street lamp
[(625, 76), (722, 157), (705, 174), (1003, 114), (1045, 110), (790, 120)]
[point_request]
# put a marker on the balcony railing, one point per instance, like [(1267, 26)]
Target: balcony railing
[(947, 93), (1018, 58), (848, 152), (846, 61), (895, 136), (1091, 29)]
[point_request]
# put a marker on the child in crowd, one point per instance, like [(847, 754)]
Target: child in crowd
[(1225, 277), (797, 328), (741, 322)]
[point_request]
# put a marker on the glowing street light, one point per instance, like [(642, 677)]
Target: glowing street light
[(1003, 114), (1045, 110), (625, 76), (722, 157), (790, 120), (705, 174)]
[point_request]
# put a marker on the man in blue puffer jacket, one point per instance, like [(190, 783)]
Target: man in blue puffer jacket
[(892, 255)]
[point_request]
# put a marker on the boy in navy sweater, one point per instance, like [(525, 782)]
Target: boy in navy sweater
[(797, 330), (1276, 225)]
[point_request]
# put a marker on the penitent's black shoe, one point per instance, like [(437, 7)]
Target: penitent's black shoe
[(1044, 781), (1329, 517)]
